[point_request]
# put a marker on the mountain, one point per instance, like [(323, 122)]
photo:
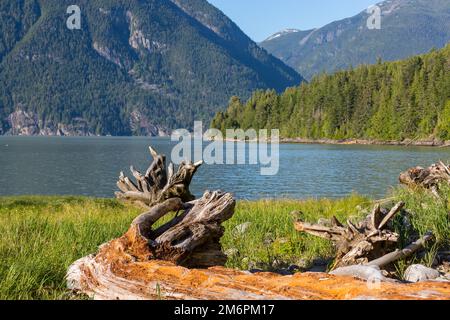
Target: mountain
[(407, 99), (136, 67), (408, 27)]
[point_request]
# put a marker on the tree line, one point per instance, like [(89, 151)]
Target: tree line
[(407, 99)]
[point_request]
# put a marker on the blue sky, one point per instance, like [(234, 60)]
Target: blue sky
[(262, 18)]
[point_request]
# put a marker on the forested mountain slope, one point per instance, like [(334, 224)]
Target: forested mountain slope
[(385, 101), (135, 67), (408, 27)]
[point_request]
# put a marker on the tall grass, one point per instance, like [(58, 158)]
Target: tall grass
[(426, 213), (41, 236), (270, 240)]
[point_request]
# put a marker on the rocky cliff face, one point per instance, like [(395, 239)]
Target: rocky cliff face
[(28, 123), (142, 126), (25, 123)]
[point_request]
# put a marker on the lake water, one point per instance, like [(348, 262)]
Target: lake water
[(90, 166)]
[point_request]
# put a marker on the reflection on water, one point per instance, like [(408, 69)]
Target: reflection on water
[(90, 166)]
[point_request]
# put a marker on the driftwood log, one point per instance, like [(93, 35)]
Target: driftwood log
[(181, 257), (114, 276), (371, 242), (429, 178), (159, 182), (402, 254), (190, 239)]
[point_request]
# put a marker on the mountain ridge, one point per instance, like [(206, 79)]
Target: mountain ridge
[(134, 68), (348, 42)]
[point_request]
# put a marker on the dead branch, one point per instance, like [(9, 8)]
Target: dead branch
[(159, 182), (358, 243), (402, 254), (428, 178)]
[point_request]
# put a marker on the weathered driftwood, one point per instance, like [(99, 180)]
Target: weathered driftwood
[(113, 275), (159, 182), (402, 254), (358, 243), (190, 239), (426, 177)]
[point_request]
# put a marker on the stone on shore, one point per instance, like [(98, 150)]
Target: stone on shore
[(419, 273)]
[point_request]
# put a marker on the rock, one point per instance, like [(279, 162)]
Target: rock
[(442, 279), (418, 273), (369, 273), (255, 270), (28, 123), (318, 265), (294, 268), (303, 264), (23, 123), (285, 272), (321, 262), (141, 125), (232, 252), (241, 229)]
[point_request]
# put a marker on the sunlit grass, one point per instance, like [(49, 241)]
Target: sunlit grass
[(271, 242), (41, 236), (427, 213)]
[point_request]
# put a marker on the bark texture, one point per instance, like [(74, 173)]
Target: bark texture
[(371, 242), (111, 275), (428, 178), (159, 182)]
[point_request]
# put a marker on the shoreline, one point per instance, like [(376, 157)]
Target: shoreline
[(362, 142), (405, 143), (351, 141)]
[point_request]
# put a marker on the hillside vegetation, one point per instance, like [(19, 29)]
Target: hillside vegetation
[(134, 68), (408, 27), (385, 101)]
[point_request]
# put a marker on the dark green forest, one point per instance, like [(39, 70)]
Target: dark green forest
[(151, 57), (407, 99)]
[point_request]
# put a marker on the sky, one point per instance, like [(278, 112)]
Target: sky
[(259, 19)]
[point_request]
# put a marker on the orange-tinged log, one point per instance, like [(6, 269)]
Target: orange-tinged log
[(114, 274)]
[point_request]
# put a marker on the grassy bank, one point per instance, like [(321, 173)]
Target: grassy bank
[(41, 236)]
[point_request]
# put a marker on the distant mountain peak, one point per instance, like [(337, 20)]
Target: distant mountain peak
[(282, 33), (408, 27)]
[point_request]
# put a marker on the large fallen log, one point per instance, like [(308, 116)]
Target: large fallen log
[(113, 276), (429, 178), (159, 182), (190, 239), (361, 243)]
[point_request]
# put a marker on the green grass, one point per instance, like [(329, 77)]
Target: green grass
[(41, 236), (271, 242), (426, 213)]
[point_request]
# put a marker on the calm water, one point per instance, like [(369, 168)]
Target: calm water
[(90, 166)]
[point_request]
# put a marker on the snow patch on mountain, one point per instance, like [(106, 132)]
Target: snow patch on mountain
[(282, 33)]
